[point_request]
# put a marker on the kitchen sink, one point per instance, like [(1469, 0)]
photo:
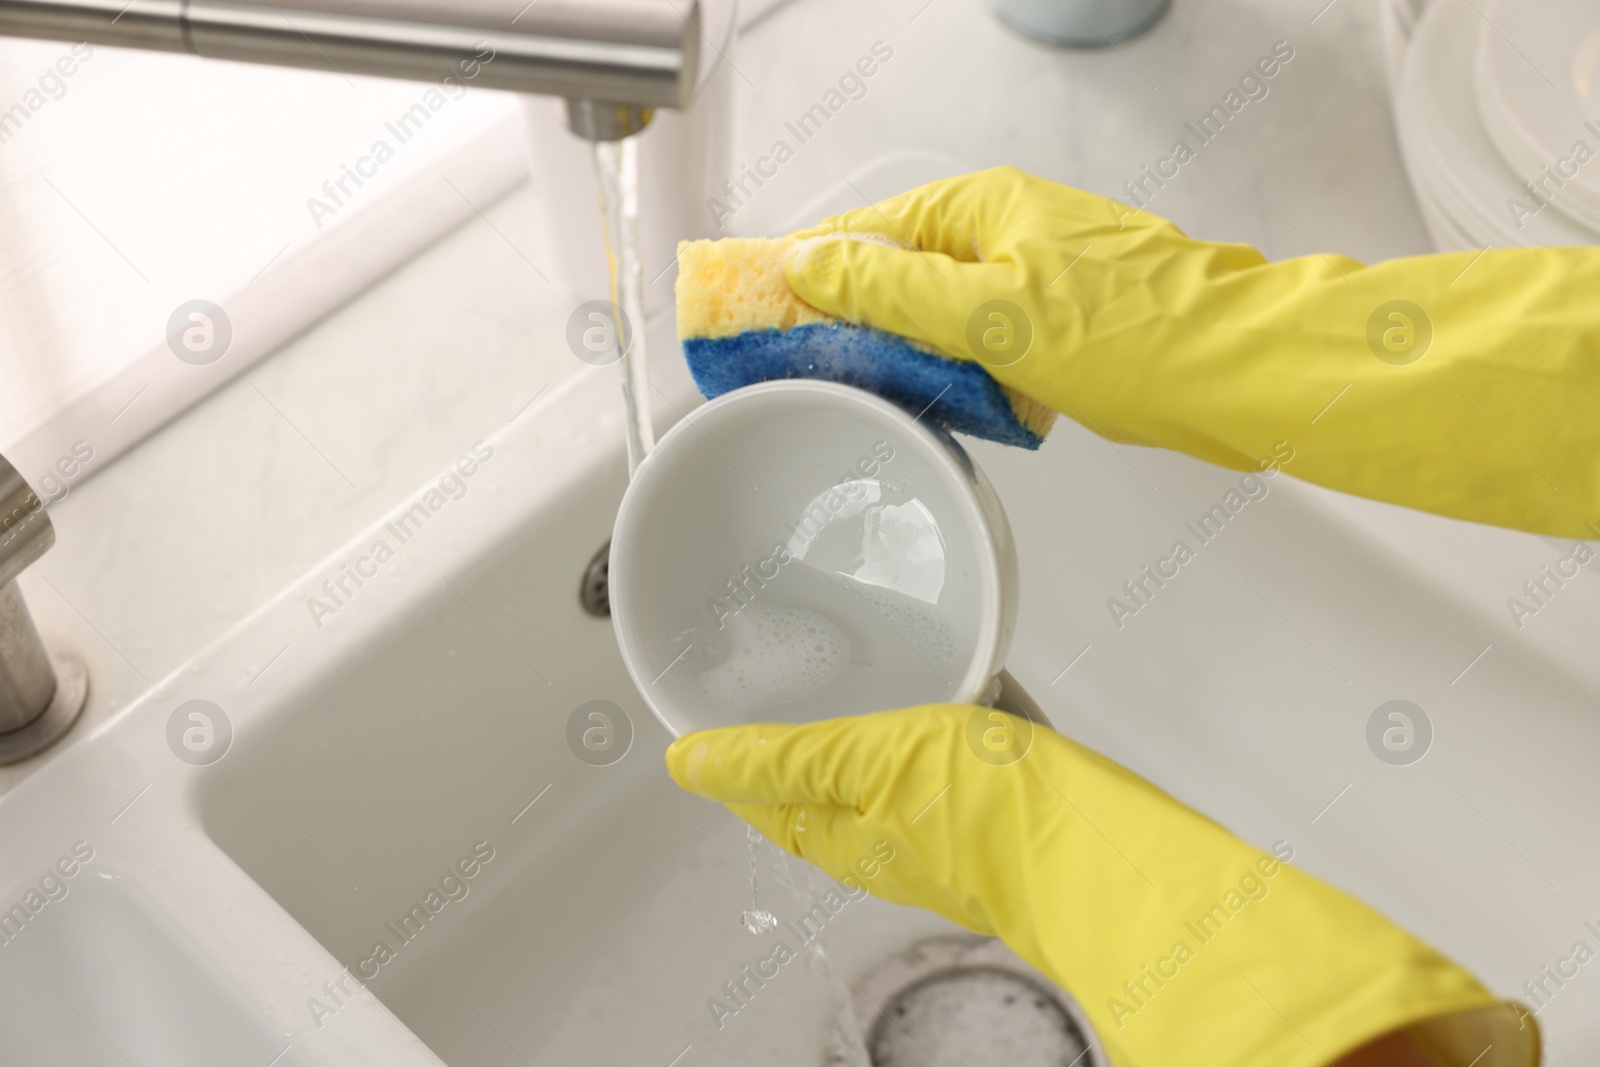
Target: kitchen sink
[(386, 838)]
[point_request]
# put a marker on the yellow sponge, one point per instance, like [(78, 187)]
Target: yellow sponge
[(727, 287), (740, 323)]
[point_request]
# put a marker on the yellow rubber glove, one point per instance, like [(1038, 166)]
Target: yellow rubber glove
[(1186, 946), (1464, 384)]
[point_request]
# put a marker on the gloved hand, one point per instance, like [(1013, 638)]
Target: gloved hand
[(1464, 384), (1184, 944)]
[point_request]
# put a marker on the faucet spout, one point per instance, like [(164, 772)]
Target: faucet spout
[(595, 120), (613, 60)]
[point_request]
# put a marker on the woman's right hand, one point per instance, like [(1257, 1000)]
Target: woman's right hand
[(1184, 944)]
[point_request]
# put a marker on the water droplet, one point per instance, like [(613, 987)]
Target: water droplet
[(759, 922)]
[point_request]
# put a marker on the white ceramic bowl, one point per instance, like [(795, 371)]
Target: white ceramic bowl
[(800, 550)]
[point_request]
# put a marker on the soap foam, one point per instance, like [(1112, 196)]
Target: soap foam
[(775, 654), (922, 624), (959, 1018)]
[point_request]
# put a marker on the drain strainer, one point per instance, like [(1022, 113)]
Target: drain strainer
[(965, 1002), (974, 1017), (594, 591)]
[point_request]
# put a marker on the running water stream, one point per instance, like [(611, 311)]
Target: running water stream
[(755, 920), (616, 165), (616, 168), (848, 1044)]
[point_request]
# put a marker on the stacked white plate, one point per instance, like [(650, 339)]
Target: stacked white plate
[(1498, 110)]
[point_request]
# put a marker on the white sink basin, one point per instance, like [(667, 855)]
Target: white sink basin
[(100, 976), (385, 733), (608, 911)]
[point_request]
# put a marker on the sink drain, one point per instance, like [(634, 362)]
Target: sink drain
[(594, 592), (957, 1002)]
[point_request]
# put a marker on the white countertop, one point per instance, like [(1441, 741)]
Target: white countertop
[(186, 535)]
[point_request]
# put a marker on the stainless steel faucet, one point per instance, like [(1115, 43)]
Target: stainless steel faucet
[(40, 693), (613, 60)]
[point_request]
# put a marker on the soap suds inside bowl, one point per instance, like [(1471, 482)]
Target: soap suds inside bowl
[(775, 654)]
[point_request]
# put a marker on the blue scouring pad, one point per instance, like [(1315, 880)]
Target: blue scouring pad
[(959, 396)]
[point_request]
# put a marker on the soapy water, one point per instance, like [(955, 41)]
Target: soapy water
[(813, 644), (853, 614), (774, 655), (922, 625)]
